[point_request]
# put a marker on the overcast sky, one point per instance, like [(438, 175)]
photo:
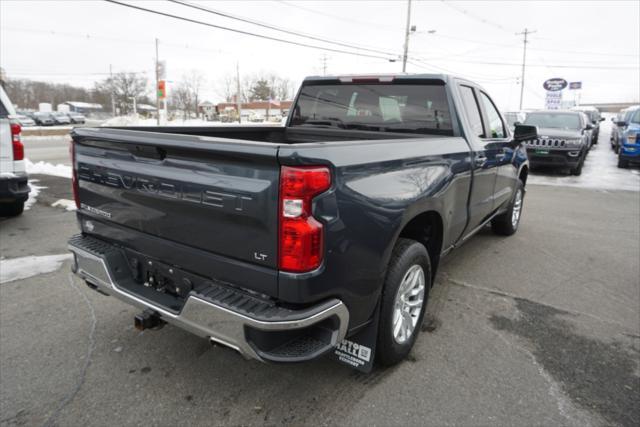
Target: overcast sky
[(596, 42)]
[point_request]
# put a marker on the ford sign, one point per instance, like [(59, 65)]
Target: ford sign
[(554, 85)]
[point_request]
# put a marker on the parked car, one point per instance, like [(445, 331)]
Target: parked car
[(76, 118), (629, 144), (514, 117), (25, 121), (43, 119), (14, 188), (563, 139), (620, 121), (61, 118), (595, 118), (587, 131), (284, 242)]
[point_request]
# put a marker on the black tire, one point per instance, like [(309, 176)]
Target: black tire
[(406, 254), (503, 224), (577, 171), (12, 209), (623, 164)]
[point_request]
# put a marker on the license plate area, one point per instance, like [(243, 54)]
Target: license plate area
[(542, 152), (160, 283)]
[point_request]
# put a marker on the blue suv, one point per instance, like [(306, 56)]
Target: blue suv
[(629, 138)]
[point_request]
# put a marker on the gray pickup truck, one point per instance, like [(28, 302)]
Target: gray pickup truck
[(287, 243)]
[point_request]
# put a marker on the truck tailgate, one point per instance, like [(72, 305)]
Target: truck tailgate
[(211, 194)]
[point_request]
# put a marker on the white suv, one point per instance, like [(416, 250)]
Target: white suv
[(14, 190)]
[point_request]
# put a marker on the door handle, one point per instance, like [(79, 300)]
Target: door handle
[(480, 161)]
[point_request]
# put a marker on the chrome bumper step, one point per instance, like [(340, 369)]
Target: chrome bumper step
[(254, 327)]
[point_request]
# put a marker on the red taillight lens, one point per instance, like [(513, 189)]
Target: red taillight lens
[(16, 142), (301, 235), (74, 174)]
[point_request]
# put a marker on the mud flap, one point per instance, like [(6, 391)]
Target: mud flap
[(359, 350)]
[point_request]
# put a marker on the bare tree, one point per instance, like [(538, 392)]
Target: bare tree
[(124, 87)]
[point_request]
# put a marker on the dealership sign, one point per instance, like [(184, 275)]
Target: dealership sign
[(555, 85)]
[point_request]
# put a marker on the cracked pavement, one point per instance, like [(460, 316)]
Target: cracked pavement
[(541, 328)]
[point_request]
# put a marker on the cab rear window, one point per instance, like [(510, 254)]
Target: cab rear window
[(413, 108)]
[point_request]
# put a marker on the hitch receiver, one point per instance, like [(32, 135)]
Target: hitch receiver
[(148, 319)]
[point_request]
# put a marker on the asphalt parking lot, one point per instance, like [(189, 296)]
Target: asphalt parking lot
[(541, 328)]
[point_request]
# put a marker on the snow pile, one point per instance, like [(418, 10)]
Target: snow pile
[(22, 268), (44, 168), (33, 194), (67, 204)]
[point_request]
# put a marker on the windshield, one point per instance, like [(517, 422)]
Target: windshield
[(554, 120), (635, 117), (416, 108)]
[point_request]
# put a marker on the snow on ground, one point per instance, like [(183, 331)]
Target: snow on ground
[(45, 168), (29, 266), (600, 169), (67, 204), (33, 194)]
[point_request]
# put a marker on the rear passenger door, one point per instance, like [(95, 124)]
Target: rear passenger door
[(499, 143), (483, 162)]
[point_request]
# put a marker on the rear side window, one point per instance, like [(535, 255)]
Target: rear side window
[(472, 109), (393, 107), (496, 127)]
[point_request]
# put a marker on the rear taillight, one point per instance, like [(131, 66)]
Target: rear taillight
[(16, 142), (74, 174), (301, 236)]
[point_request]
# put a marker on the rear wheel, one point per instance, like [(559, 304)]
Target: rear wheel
[(507, 223), (12, 209), (404, 300), (622, 163)]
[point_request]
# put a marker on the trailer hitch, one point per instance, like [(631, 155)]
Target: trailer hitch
[(148, 319)]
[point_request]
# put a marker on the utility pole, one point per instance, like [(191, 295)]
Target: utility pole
[(525, 33), (406, 37), (157, 86), (238, 100), (113, 100), (324, 64)]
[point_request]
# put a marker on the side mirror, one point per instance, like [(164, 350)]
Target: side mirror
[(621, 123), (601, 119), (589, 126), (524, 132)]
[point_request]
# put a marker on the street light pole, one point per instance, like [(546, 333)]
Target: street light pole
[(406, 37), (157, 87)]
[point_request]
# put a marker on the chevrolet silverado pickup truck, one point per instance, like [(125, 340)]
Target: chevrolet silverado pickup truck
[(286, 243)]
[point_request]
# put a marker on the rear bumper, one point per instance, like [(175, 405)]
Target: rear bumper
[(14, 188), (255, 328), (630, 152)]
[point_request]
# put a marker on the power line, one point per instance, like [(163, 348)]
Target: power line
[(376, 25), (517, 46), (576, 66), (476, 17), (276, 28), (247, 33)]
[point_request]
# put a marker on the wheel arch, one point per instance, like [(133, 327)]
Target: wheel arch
[(427, 228)]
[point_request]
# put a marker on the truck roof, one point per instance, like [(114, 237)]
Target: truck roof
[(381, 77)]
